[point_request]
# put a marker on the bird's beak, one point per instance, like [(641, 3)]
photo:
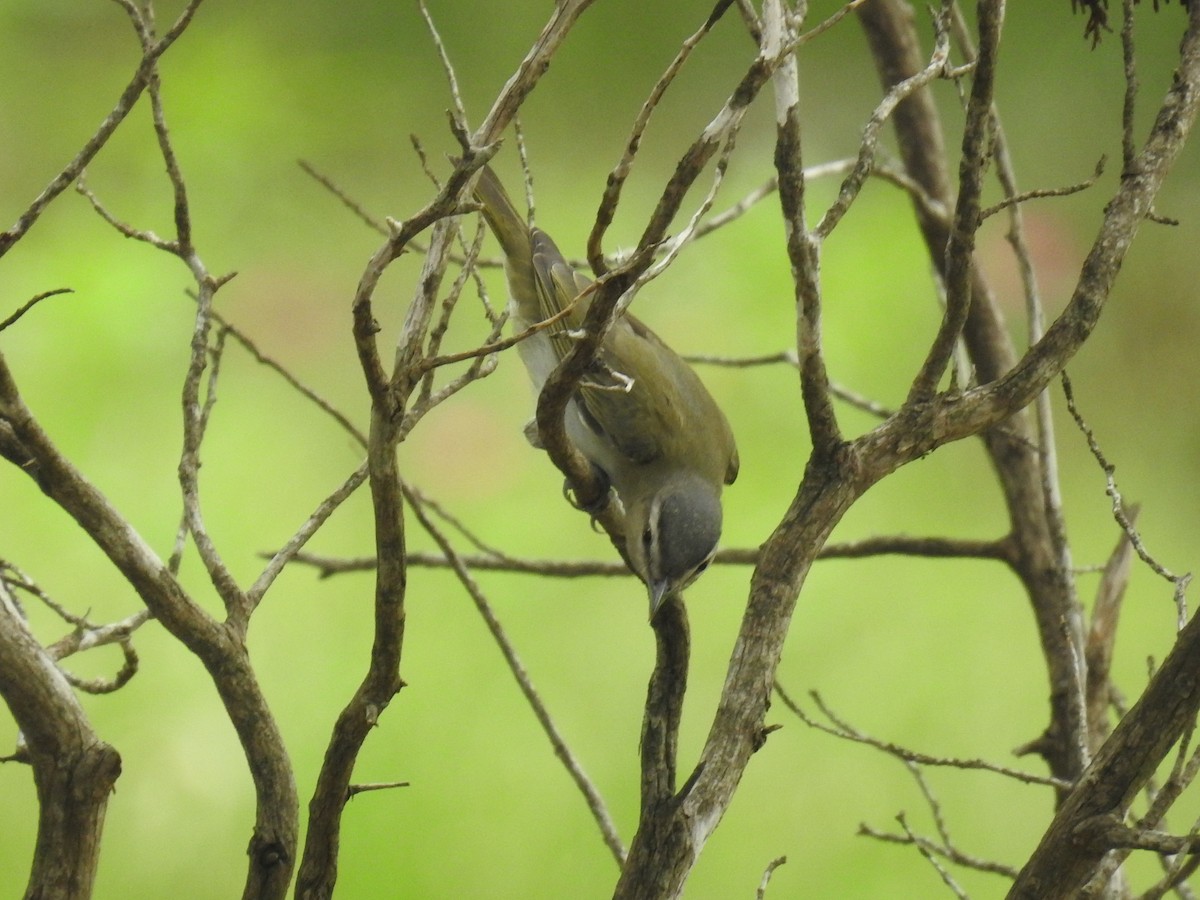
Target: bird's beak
[(658, 593)]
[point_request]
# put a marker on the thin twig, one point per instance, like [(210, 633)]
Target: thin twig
[(672, 248), (494, 560), (329, 566), (71, 172), (251, 347), (460, 111), (31, 303), (530, 71), (819, 29), (87, 636), (1179, 867), (976, 146), (349, 202), (923, 846), (13, 577), (449, 304), (481, 367), (1071, 621), (1025, 196), (83, 636), (1179, 582), (102, 685), (931, 800), (495, 346), (138, 234), (885, 171), (311, 525), (1102, 634), (803, 247), (956, 856), (195, 412), (843, 730), (620, 172), (852, 185), (1129, 105), (774, 864), (356, 789), (562, 750), (789, 357)]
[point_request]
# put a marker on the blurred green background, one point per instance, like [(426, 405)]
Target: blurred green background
[(939, 656)]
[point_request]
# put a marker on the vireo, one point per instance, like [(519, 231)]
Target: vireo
[(646, 422)]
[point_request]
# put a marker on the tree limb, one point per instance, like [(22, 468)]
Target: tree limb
[(73, 769), (1072, 847)]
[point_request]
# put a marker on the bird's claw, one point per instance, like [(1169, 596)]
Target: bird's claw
[(595, 508)]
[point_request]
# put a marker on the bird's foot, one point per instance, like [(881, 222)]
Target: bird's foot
[(603, 497)]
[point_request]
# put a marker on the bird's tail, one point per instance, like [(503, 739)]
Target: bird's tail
[(515, 239), (506, 223)]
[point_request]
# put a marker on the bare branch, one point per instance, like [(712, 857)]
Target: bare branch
[(620, 172), (865, 162), (927, 852), (819, 29), (530, 71), (1179, 869), (975, 149), (1102, 634), (844, 730), (803, 247), (877, 168), (496, 345), (1115, 833), (101, 685), (30, 304), (1016, 199), (349, 202), (1069, 653), (614, 291), (74, 769), (317, 872), (1123, 216), (304, 390), (1183, 772), (460, 112), (1070, 850), (356, 789), (449, 304), (310, 527), (562, 750), (84, 635), (444, 205), (194, 421), (494, 560), (1178, 582), (774, 864), (328, 566), (926, 846), (88, 636), (1128, 107), (73, 169)]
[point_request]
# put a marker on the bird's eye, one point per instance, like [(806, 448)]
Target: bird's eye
[(704, 565), (647, 537)]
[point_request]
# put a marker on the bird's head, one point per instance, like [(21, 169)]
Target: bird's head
[(671, 535)]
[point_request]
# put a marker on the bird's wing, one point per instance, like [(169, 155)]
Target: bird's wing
[(557, 285), (731, 469), (606, 397)]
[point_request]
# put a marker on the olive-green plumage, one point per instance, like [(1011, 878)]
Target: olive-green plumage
[(664, 444)]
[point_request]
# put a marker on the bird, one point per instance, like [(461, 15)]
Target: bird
[(642, 417)]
